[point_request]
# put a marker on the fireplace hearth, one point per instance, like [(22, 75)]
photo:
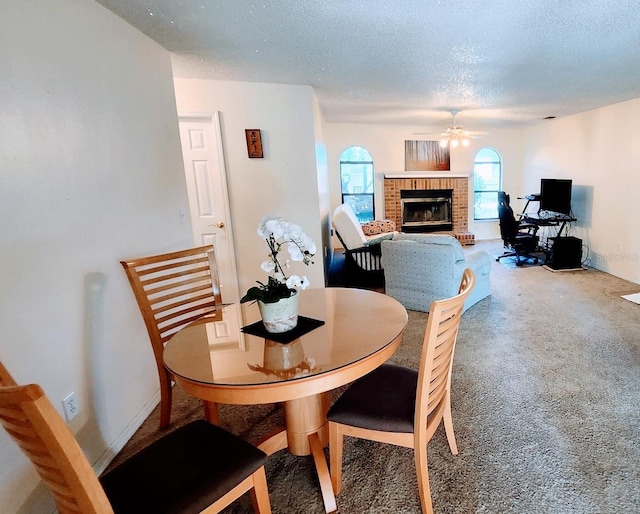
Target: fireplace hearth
[(426, 210)]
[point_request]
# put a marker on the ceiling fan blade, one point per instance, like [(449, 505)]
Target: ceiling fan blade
[(453, 131), (440, 135)]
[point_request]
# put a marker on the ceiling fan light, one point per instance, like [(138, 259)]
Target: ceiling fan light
[(444, 143), (454, 143), (465, 142)]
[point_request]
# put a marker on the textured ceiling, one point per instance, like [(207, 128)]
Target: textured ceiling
[(502, 63)]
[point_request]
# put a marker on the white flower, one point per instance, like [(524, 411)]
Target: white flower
[(295, 253), (294, 281), (310, 246), (262, 229), (294, 232), (278, 232), (272, 225), (276, 227), (268, 266)]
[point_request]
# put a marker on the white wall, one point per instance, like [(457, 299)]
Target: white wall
[(324, 184), (90, 173), (386, 145), (599, 151), (284, 182)]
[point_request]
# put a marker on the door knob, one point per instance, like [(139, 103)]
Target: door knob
[(220, 224)]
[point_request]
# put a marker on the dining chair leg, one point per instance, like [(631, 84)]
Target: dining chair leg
[(422, 472), (448, 427), (336, 445), (165, 401), (260, 493)]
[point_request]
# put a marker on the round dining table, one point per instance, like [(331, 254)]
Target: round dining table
[(342, 334)]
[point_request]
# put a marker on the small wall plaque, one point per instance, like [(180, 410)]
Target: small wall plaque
[(254, 143)]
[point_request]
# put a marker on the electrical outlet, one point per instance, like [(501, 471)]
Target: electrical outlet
[(70, 406)]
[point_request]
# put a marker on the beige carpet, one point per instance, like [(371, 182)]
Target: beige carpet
[(546, 407)]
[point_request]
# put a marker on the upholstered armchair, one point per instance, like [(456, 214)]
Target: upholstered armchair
[(361, 243), (421, 268)]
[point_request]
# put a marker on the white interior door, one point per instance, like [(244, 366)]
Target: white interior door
[(208, 197)]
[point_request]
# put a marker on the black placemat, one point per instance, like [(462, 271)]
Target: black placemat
[(304, 325)]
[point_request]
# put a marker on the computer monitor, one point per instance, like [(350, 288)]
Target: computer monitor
[(555, 195)]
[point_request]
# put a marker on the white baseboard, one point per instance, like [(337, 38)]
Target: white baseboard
[(110, 453)]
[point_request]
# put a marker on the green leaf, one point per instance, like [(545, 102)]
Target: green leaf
[(254, 293)]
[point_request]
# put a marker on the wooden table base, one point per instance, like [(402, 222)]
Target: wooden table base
[(328, 496), (306, 433), (303, 417)]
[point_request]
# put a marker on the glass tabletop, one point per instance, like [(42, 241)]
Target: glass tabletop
[(357, 324)]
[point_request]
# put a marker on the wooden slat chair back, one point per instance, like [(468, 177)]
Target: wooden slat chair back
[(433, 401), (401, 406), (33, 423), (172, 290), (158, 477)]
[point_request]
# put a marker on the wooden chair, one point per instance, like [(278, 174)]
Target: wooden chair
[(402, 406), (196, 468), (172, 290)]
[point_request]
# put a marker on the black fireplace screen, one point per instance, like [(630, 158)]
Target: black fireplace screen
[(426, 210)]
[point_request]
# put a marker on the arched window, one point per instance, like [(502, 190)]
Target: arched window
[(356, 177), (487, 181)]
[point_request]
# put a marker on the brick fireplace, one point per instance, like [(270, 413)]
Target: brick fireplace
[(394, 183)]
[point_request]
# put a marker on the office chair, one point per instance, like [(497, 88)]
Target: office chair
[(197, 468), (519, 238), (172, 290), (402, 406)]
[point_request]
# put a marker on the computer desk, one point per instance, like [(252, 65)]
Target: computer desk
[(544, 218), (548, 219)]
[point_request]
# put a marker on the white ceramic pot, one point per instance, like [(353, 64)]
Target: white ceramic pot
[(280, 316)]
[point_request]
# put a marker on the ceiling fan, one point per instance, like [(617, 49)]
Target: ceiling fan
[(454, 135)]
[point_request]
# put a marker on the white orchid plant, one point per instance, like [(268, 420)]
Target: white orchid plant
[(278, 232)]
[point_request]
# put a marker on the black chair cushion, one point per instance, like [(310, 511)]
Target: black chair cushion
[(385, 399), (526, 242), (183, 472)]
